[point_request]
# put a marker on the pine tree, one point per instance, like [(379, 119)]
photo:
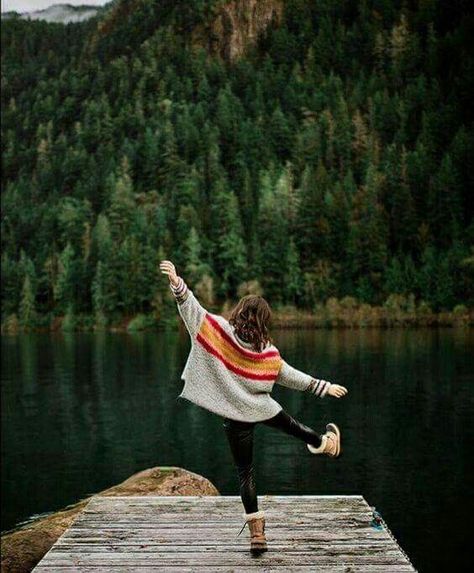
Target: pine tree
[(435, 279), (360, 143), (394, 279), (280, 133), (312, 226), (148, 157), (293, 275), (122, 204), (64, 289), (11, 284), (342, 134), (367, 248), (195, 266), (98, 289), (445, 204), (231, 256), (273, 238), (28, 296), (398, 200)]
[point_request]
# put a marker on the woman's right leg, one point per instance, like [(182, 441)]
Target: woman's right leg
[(240, 436), (293, 427)]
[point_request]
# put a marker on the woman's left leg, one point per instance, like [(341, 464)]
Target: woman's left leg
[(240, 437), (283, 421)]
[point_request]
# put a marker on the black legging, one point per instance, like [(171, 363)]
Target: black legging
[(240, 436)]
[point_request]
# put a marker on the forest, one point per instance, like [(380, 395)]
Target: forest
[(333, 161)]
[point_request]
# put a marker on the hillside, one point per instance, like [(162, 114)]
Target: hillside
[(306, 150)]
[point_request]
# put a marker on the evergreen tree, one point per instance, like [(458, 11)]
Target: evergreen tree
[(98, 287), (195, 266), (28, 294), (10, 284), (436, 280), (312, 226), (273, 237), (445, 204), (64, 289), (231, 257), (122, 203), (280, 133), (367, 249), (293, 276), (398, 200)]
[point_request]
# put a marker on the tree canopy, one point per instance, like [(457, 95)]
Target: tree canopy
[(335, 158)]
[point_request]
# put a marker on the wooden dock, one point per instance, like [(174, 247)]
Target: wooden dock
[(327, 534)]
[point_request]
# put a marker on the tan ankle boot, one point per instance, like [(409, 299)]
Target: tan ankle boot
[(256, 523), (330, 442)]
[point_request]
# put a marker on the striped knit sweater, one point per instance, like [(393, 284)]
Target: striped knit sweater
[(224, 375)]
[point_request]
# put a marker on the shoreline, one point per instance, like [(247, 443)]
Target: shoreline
[(287, 318)]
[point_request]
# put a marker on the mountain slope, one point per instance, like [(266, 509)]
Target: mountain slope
[(224, 29), (330, 158)]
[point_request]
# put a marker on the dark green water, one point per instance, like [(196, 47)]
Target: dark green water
[(82, 412)]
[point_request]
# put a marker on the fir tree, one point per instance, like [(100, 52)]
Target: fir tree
[(64, 289), (27, 301)]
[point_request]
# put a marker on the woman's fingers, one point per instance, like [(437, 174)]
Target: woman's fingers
[(340, 391), (167, 267)]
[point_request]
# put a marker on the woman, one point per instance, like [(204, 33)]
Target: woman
[(230, 371)]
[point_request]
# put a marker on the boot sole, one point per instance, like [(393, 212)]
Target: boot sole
[(258, 550), (331, 427)]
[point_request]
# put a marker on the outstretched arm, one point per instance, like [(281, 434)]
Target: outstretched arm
[(297, 380), (189, 307)]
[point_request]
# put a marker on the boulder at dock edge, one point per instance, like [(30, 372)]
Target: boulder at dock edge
[(25, 546)]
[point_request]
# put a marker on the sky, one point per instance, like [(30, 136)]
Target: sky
[(30, 5)]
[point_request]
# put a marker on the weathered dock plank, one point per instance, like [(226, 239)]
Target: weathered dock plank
[(197, 533)]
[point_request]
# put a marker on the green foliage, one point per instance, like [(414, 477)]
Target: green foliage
[(293, 279), (333, 161), (141, 322), (28, 293), (230, 257), (68, 323), (460, 310), (195, 267), (276, 216), (27, 303), (65, 284)]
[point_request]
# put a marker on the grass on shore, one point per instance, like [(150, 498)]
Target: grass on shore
[(397, 311)]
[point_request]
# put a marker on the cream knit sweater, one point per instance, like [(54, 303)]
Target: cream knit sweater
[(224, 375)]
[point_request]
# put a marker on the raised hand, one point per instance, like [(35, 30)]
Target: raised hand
[(169, 269), (337, 391)]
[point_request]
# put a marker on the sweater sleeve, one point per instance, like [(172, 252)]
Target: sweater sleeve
[(297, 380), (189, 307)]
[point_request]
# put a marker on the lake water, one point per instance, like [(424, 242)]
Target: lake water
[(82, 412)]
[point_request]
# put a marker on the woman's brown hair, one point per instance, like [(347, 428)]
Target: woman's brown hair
[(250, 319)]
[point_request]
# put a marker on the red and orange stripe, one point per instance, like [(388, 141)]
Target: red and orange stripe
[(263, 366)]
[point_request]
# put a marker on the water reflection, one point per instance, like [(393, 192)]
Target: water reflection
[(81, 412)]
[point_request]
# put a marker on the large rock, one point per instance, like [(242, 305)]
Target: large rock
[(237, 26), (23, 548)]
